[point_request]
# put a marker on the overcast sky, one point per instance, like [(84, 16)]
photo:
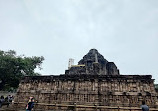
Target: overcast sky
[(123, 31)]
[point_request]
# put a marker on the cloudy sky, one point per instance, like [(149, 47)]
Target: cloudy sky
[(123, 31)]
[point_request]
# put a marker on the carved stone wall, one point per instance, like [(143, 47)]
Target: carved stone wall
[(102, 90), (94, 81)]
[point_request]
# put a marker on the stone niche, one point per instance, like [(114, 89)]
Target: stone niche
[(93, 82)]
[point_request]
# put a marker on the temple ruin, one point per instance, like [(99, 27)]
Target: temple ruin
[(93, 82)]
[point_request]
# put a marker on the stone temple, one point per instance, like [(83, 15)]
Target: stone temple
[(93, 82), (93, 63)]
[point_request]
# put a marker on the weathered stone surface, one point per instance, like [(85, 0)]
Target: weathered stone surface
[(108, 90), (112, 69), (90, 57), (93, 63), (94, 83)]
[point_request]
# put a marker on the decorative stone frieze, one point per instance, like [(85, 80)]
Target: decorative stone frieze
[(94, 81)]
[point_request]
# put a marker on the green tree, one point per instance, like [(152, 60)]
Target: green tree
[(13, 68)]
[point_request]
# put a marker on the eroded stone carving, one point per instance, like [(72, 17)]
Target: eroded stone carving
[(94, 81), (94, 63)]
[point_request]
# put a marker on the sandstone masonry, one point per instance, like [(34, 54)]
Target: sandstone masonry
[(93, 82)]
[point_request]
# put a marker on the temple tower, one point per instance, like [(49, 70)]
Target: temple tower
[(94, 63)]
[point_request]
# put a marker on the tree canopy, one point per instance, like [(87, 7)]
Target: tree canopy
[(14, 67)]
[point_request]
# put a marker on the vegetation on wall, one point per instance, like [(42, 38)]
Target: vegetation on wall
[(156, 87), (14, 67)]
